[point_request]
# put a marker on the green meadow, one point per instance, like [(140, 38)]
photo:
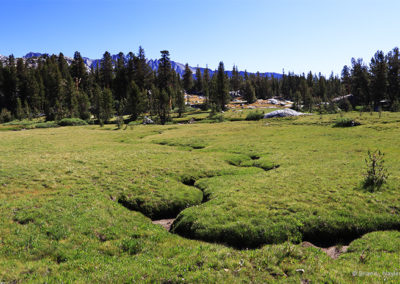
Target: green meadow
[(77, 203)]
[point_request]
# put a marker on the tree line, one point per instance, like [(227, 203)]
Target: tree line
[(49, 86), (368, 86)]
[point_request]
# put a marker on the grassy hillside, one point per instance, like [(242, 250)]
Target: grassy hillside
[(76, 203)]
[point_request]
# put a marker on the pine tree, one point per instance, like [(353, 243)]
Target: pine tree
[(306, 96), (206, 87), (236, 79), (120, 106), (22, 80), (394, 77), (143, 72), (97, 102), (164, 70), (97, 75), (19, 113), (120, 83), (130, 67), (163, 97), (379, 77), (10, 85), (268, 88), (180, 96), (106, 70), (249, 93), (74, 104), (102, 104), (106, 105), (53, 84), (83, 105), (2, 96), (176, 90), (310, 80), (258, 86), (78, 71), (296, 100), (38, 100), (65, 69), (360, 82), (213, 97), (346, 80), (199, 81), (136, 103), (222, 88), (27, 110), (308, 100), (187, 79), (321, 92), (163, 106)]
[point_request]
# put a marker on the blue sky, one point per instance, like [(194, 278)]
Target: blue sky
[(295, 35)]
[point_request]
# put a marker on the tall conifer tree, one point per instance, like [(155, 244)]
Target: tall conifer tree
[(379, 77), (106, 70), (222, 88), (199, 81), (394, 77), (187, 79)]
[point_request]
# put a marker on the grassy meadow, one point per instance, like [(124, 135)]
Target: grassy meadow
[(77, 203)]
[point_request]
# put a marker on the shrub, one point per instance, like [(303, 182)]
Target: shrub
[(395, 106), (345, 122), (119, 122), (71, 122), (376, 174), (254, 116), (5, 115)]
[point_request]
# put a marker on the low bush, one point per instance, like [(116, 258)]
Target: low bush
[(71, 122), (345, 122), (254, 116), (5, 115)]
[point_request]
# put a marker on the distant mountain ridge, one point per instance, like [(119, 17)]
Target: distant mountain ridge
[(153, 63)]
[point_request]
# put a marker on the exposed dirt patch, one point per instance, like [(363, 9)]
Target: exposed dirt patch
[(166, 223), (334, 251)]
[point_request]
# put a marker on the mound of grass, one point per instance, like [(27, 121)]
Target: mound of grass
[(47, 124), (72, 122), (166, 205), (251, 161)]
